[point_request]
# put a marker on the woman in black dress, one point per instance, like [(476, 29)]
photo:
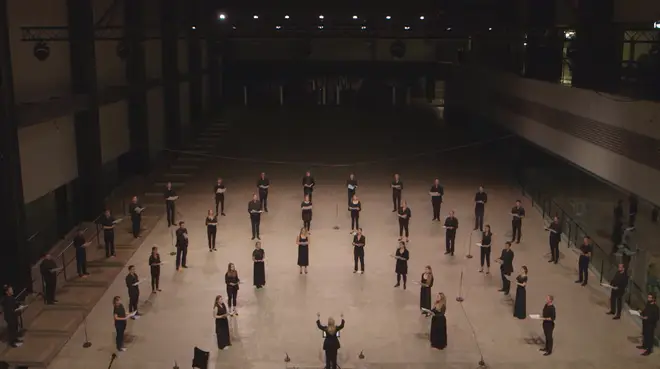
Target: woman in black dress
[(221, 316), (259, 260), (306, 208), (331, 342), (211, 229), (232, 281), (425, 290), (154, 266), (486, 241), (120, 317), (438, 333), (520, 305), (401, 255), (303, 250), (355, 207)]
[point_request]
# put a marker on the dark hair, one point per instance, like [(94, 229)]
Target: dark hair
[(131, 267), (525, 269), (181, 223), (154, 249), (115, 300), (507, 243), (518, 201)]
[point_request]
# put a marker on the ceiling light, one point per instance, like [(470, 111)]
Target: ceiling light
[(321, 17), (448, 28), (490, 29), (255, 17), (286, 16), (193, 27), (321, 27), (388, 17), (222, 16), (421, 17), (364, 27), (278, 27), (355, 17), (407, 28)]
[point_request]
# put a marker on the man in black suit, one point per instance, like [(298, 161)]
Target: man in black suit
[(506, 267)]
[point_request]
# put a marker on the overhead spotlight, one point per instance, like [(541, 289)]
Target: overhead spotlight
[(278, 27), (407, 28), (41, 51), (233, 27), (193, 27), (286, 16), (320, 26), (448, 29), (222, 16), (490, 28), (421, 17), (355, 17), (321, 17), (388, 17), (363, 28), (255, 17), (524, 43)]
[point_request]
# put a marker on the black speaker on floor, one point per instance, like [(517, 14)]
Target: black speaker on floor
[(200, 359)]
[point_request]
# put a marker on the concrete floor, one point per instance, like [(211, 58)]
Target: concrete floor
[(382, 322)]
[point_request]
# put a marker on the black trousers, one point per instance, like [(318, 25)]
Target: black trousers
[(307, 192), (450, 241), (120, 328), (485, 256), (396, 200), (516, 227), (210, 234), (583, 269), (232, 295), (155, 280), (220, 203), (403, 227), (12, 330), (355, 221), (263, 198), (307, 224), (554, 250), (616, 302), (133, 297), (350, 196), (50, 285), (181, 256), (398, 278), (136, 223), (81, 261), (479, 220), (506, 283), (358, 255), (255, 220), (436, 207), (548, 329), (330, 359), (109, 240), (647, 336), (169, 212)]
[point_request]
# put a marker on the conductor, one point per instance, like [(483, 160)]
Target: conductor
[(331, 342)]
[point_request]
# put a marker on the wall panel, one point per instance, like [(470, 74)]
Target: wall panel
[(184, 101), (153, 56), (183, 57), (115, 134), (48, 156), (156, 122), (36, 80), (204, 55), (110, 68), (205, 93)]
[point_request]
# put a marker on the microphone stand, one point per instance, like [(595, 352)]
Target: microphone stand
[(172, 253), (469, 254), (112, 360), (336, 227), (460, 289), (87, 343)]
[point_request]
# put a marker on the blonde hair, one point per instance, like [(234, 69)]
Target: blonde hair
[(303, 232), (332, 327), (440, 301)]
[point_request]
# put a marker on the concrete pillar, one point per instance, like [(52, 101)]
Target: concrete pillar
[(245, 96), (281, 95)]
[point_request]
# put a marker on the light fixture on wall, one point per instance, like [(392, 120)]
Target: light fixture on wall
[(41, 51)]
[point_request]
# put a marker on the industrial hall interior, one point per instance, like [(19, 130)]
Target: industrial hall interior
[(225, 184)]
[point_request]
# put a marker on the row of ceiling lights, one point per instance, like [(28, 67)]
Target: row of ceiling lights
[(223, 16)]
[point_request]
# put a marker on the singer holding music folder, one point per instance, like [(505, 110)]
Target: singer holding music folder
[(404, 215), (330, 339), (221, 315), (154, 268), (303, 250), (359, 241), (554, 238), (517, 214), (450, 226), (170, 199), (132, 283), (484, 249), (259, 265), (583, 262), (120, 318), (219, 192), (480, 200), (397, 189), (436, 192), (351, 185), (650, 316), (548, 316), (181, 246), (263, 184), (254, 209), (135, 209), (108, 222), (618, 285), (49, 270), (426, 283), (308, 184), (520, 303), (12, 311), (211, 229), (306, 209), (438, 334), (401, 268), (506, 267), (232, 281), (355, 207)]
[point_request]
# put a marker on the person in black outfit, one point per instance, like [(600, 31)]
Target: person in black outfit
[(302, 240), (12, 312), (154, 267), (436, 192), (80, 245), (619, 284), (451, 225), (221, 315), (426, 283), (480, 200), (397, 189), (170, 199), (650, 316), (351, 185), (49, 270), (254, 209), (331, 340), (359, 241), (135, 209), (404, 215), (308, 184), (484, 249), (554, 238), (617, 235), (520, 303), (108, 223), (219, 192), (232, 281), (306, 208), (263, 184), (120, 318), (355, 207), (438, 333), (211, 229), (181, 246), (633, 204), (506, 267), (401, 269), (548, 315), (259, 268), (583, 262), (133, 285), (518, 213)]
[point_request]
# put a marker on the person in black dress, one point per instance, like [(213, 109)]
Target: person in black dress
[(219, 192), (436, 193), (554, 238), (259, 261), (80, 244), (351, 185), (650, 316), (303, 250), (331, 339), (49, 269), (355, 207), (221, 315), (506, 267), (11, 312), (517, 214), (263, 184), (520, 304), (308, 184), (306, 208), (397, 189), (450, 226), (232, 281), (583, 262), (438, 333), (619, 284), (484, 249), (548, 316), (120, 317), (154, 266), (359, 241), (426, 283), (404, 214), (480, 200), (211, 229), (401, 269), (170, 204)]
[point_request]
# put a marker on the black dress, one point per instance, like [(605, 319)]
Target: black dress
[(402, 265), (306, 214), (425, 294), (520, 305), (438, 333), (259, 275), (303, 251), (222, 327)]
